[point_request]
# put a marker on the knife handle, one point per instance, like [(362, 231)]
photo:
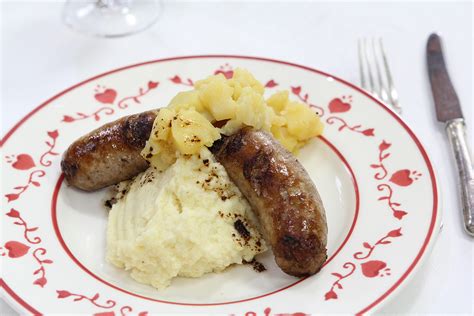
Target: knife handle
[(457, 137)]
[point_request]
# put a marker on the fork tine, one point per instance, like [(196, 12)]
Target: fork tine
[(381, 86), (369, 69), (363, 81), (392, 93)]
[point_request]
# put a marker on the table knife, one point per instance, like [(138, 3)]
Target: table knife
[(448, 111)]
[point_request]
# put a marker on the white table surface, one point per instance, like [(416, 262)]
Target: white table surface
[(40, 57)]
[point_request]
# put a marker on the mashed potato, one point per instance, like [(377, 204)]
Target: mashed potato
[(190, 121), (185, 221)]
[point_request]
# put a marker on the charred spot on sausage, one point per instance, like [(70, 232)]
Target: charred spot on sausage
[(258, 171), (235, 144), (137, 129)]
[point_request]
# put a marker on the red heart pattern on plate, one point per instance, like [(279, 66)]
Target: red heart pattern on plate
[(16, 249), (402, 178), (152, 84), (338, 106), (227, 74), (271, 84), (372, 268), (107, 97), (23, 162)]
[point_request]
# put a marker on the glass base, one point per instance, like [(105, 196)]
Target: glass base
[(107, 18)]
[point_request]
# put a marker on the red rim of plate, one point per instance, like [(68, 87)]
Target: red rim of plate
[(396, 117), (57, 231)]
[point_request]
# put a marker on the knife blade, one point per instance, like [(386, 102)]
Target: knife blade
[(448, 111), (445, 98)]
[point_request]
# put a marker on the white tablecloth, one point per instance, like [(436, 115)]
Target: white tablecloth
[(41, 57)]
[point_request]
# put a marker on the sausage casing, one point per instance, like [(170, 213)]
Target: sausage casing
[(282, 194), (276, 185), (109, 154)]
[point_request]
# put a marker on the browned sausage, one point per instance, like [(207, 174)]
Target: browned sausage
[(276, 185), (109, 154), (281, 193)]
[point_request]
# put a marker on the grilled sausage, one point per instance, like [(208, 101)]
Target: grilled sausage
[(281, 193), (109, 154), (274, 182)]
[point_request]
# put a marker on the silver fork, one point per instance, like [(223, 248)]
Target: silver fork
[(375, 75)]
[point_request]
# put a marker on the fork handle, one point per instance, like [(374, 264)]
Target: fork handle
[(456, 130)]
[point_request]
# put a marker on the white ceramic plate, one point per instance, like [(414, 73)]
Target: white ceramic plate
[(375, 179)]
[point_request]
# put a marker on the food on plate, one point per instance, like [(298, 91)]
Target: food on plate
[(185, 221), (189, 122), (108, 154), (185, 215), (282, 194)]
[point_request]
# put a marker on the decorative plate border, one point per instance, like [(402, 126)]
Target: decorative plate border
[(105, 96)]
